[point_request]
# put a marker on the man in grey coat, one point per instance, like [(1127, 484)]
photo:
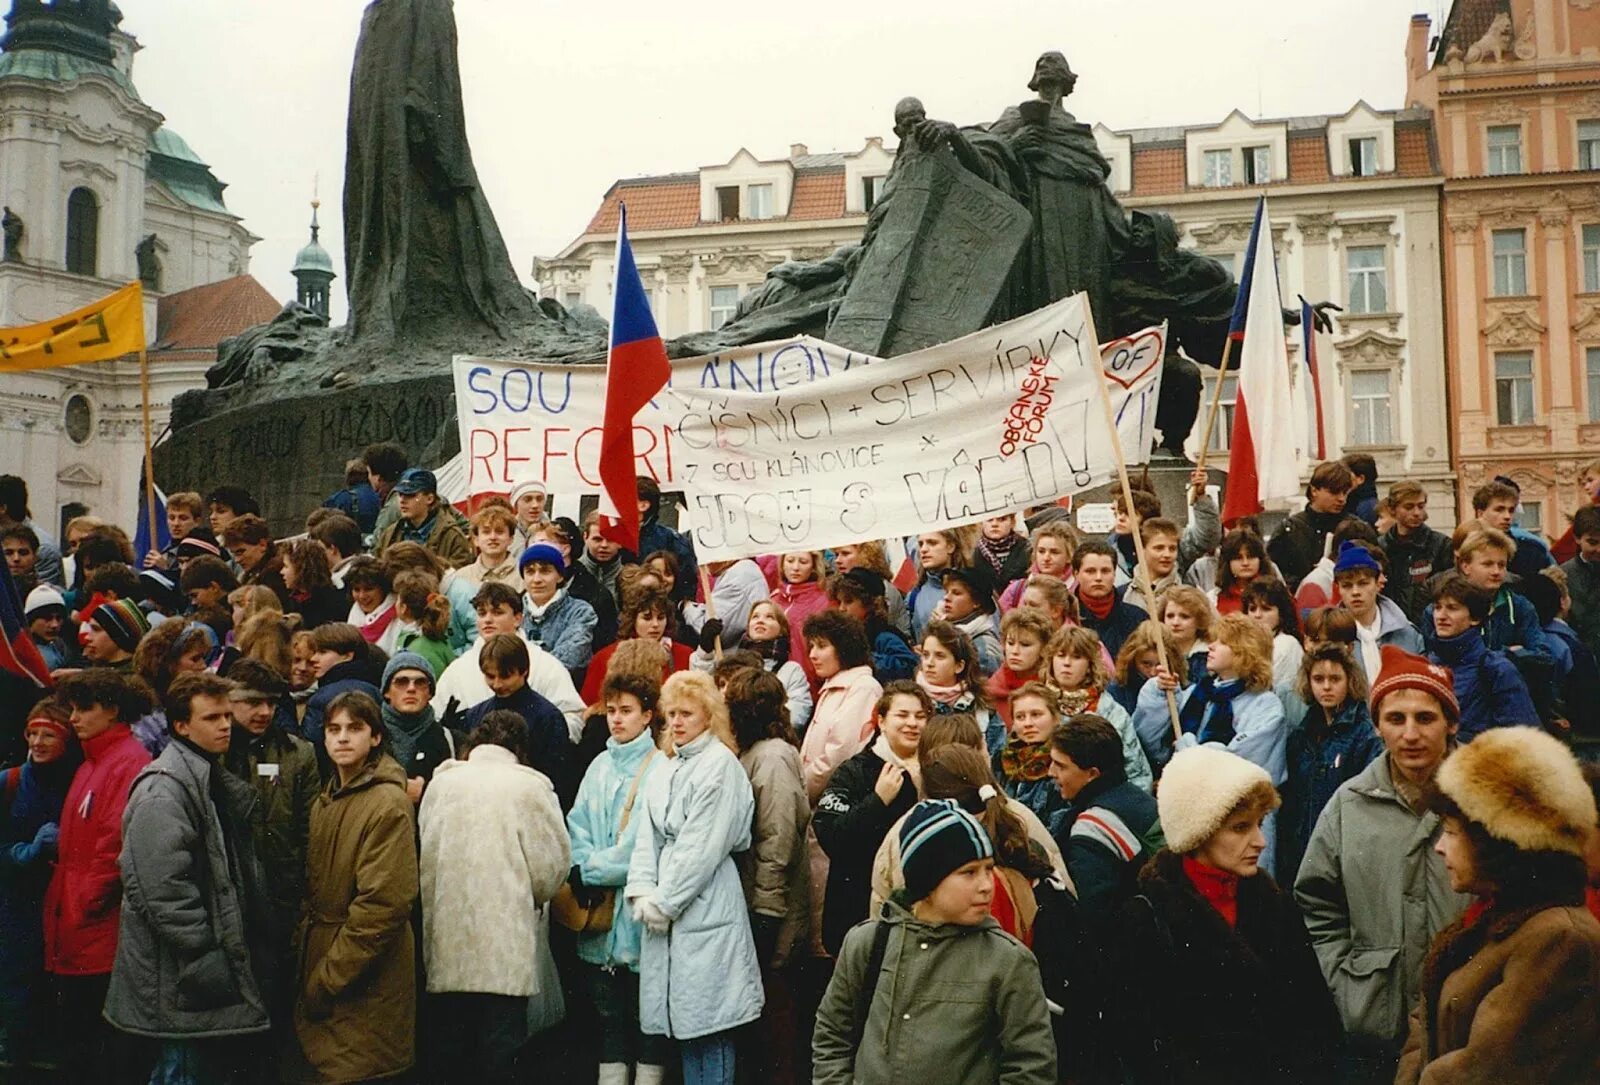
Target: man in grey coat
[(1372, 890), (194, 912)]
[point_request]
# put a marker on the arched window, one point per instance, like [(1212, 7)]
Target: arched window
[(83, 231)]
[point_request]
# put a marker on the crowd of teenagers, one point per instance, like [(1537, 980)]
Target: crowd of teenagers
[(419, 795)]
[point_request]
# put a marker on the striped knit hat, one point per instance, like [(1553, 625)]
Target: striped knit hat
[(1403, 670), (937, 838), (122, 621)]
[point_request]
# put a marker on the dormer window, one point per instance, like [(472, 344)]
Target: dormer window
[(758, 202), (1257, 165), (1364, 156), (871, 191), (727, 203), (1218, 169)]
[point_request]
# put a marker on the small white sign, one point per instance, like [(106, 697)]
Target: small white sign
[(1096, 519)]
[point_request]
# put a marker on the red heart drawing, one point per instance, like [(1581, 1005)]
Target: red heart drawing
[(1131, 346)]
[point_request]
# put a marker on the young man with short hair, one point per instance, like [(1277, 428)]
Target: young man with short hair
[(357, 501), (1583, 577), (112, 631), (84, 900), (504, 662), (1360, 575), (185, 510), (424, 519), (499, 609), (225, 504), (1363, 500), (1298, 543), (207, 582), (260, 560), (554, 618), (1487, 686), (14, 510), (386, 462), (193, 938), (601, 558), (1416, 551), (340, 538), (1112, 827), (1495, 505), (1484, 557), (1371, 888), (1161, 546), (20, 544), (1101, 604), (528, 499)]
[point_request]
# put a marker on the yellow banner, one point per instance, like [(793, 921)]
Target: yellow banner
[(108, 328)]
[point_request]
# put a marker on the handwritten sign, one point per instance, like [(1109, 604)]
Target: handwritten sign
[(106, 329), (803, 445)]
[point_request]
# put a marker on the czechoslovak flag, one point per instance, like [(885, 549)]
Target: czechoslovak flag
[(1263, 460), (18, 654), (636, 369)]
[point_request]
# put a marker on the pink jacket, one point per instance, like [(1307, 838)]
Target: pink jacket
[(839, 727)]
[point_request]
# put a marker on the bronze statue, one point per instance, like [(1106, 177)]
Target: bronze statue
[(423, 252), (12, 227)]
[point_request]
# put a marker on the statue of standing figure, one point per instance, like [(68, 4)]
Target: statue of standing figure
[(12, 227)]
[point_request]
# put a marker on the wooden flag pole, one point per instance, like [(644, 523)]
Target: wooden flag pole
[(149, 450), (1141, 571), (1216, 405), (711, 611)]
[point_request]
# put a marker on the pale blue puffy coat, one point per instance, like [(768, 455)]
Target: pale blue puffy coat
[(598, 852), (702, 976)]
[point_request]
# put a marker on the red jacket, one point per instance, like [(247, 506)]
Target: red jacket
[(82, 907)]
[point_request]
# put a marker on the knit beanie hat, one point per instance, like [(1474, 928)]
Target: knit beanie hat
[(542, 552), (407, 661), (159, 588), (526, 484), (1524, 787), (195, 545), (1401, 669), (122, 621), (1353, 556), (1200, 787), (43, 598), (937, 838)]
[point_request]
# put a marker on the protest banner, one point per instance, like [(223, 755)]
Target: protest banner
[(800, 445)]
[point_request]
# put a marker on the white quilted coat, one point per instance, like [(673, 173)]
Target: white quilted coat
[(494, 849)]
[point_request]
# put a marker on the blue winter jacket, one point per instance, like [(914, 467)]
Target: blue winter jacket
[(1488, 686), (602, 853), (550, 748), (892, 657), (1260, 734), (702, 976), (653, 536), (25, 868), (1320, 758), (1512, 623), (566, 631), (1117, 626), (920, 604)]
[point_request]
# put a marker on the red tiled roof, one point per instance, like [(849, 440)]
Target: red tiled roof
[(203, 316), (1413, 151), (1159, 171), (1308, 159), (659, 203), (818, 194)]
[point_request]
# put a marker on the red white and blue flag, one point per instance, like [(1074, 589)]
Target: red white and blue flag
[(18, 654), (1263, 451), (636, 369), (1308, 326)]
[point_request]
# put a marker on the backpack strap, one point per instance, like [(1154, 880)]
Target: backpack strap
[(869, 981)]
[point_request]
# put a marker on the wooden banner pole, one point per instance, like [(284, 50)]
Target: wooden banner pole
[(149, 451)]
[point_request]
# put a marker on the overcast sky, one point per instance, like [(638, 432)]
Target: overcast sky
[(565, 96)]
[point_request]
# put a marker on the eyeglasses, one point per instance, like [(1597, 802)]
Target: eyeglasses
[(406, 682)]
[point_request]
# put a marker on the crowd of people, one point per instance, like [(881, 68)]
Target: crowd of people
[(488, 798)]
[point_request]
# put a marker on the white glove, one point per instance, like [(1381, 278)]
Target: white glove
[(1187, 742), (638, 911), (650, 914)]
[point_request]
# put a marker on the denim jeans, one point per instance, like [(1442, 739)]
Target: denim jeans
[(708, 1060), (616, 1002), (211, 1061)]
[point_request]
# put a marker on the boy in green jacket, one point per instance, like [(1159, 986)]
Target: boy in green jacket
[(934, 992)]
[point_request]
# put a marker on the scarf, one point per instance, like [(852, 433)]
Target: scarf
[(913, 767), (1216, 887), (405, 731), (1075, 702), (1021, 760), (1209, 692), (375, 625), (996, 553), (941, 695), (534, 612), (1228, 601), (1100, 608)]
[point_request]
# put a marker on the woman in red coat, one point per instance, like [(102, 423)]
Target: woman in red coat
[(83, 905), (648, 615)]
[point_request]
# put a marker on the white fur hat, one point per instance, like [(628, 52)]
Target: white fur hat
[(1524, 787), (1200, 787)]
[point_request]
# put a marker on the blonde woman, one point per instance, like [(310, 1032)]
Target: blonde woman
[(1074, 666), (1187, 614), (699, 979)]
